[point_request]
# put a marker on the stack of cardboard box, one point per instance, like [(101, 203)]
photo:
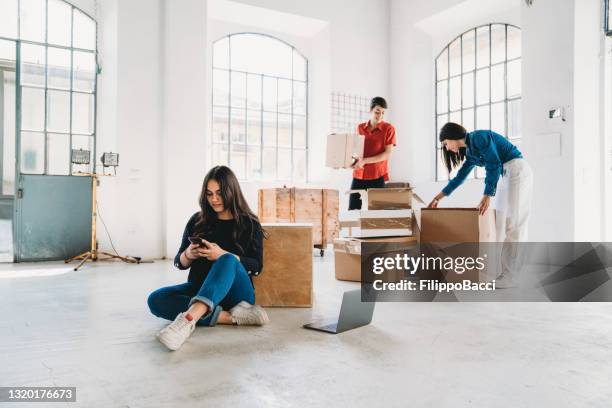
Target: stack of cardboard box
[(386, 216)]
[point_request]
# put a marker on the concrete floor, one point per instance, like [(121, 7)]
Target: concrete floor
[(92, 329)]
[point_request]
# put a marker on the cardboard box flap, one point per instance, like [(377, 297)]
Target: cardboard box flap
[(348, 246)]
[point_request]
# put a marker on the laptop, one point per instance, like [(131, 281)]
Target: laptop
[(353, 313)]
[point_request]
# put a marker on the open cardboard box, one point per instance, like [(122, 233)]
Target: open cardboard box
[(459, 232), (387, 198)]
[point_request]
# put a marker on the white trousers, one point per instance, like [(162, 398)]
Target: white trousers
[(513, 205)]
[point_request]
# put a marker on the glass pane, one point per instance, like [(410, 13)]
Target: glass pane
[(58, 111), (84, 71), (498, 43), (454, 51), (8, 18), (270, 94), (482, 86), (254, 91), (253, 163), (32, 20), (32, 109), (83, 143), (442, 120), (498, 118), (220, 154), (455, 93), (468, 89), (221, 53), (284, 130), (299, 98), (238, 160), (468, 119), (469, 51), (8, 140), (269, 129), (59, 23), (455, 117), (58, 68), (238, 92), (269, 163), (442, 65), (253, 127), (284, 164), (220, 125), (482, 42), (32, 64), (482, 117), (82, 113), (299, 131), (261, 55), (8, 52), (442, 96), (514, 78), (514, 42), (238, 126), (284, 95), (299, 66), (514, 119), (299, 165), (84, 31), (220, 87), (58, 154), (32, 153), (497, 83)]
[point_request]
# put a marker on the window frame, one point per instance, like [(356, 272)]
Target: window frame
[(262, 110), (489, 66), (607, 18)]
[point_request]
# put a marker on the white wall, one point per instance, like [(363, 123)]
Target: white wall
[(130, 122)]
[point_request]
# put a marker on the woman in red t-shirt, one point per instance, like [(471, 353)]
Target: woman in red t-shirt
[(370, 171)]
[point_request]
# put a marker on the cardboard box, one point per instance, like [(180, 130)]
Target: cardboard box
[(385, 223), (316, 206), (342, 148), (286, 278), (459, 232), (387, 198), (347, 255)]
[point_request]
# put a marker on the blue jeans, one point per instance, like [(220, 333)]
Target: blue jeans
[(226, 285)]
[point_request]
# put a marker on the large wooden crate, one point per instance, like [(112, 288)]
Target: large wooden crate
[(318, 207), (286, 277)]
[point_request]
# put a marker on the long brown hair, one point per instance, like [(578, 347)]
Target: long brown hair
[(233, 200)]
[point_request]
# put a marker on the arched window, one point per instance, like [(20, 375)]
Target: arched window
[(259, 113), (478, 84), (50, 46)]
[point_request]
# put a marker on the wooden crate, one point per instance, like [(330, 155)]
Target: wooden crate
[(286, 278), (318, 207)]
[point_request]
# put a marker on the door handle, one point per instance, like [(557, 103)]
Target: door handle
[(20, 193)]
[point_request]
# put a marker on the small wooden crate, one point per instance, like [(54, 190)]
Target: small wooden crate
[(318, 207), (286, 278)]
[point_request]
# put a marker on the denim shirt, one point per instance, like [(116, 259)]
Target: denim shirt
[(487, 149)]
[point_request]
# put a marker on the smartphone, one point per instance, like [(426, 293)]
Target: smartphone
[(196, 241)]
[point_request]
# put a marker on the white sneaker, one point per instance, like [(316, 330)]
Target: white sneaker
[(505, 281), (174, 335), (245, 313)]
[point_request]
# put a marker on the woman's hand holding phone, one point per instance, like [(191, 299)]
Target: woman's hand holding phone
[(211, 251)]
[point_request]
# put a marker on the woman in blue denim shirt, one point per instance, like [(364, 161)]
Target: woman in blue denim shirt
[(498, 156)]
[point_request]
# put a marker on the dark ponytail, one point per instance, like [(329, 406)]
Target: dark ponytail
[(452, 131)]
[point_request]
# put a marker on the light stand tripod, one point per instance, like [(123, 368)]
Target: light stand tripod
[(93, 254)]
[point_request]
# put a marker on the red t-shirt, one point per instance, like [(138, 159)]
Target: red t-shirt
[(375, 142)]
